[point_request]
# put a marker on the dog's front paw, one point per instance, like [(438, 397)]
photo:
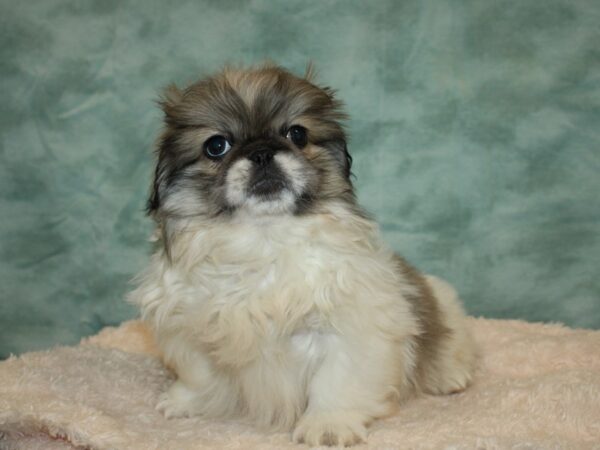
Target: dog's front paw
[(178, 401), (344, 428)]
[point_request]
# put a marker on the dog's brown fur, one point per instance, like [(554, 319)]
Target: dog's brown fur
[(285, 308)]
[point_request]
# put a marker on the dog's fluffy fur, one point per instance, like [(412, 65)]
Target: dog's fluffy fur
[(271, 293)]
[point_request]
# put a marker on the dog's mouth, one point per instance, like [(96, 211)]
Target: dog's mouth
[(267, 184)]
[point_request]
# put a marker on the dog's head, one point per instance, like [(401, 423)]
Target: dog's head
[(260, 141)]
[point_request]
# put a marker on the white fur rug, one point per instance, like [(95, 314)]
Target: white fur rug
[(537, 387)]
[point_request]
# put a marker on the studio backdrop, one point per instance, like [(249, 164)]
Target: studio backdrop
[(474, 130)]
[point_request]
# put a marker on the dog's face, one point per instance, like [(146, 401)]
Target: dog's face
[(258, 142)]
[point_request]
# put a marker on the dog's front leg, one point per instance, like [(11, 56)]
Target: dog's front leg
[(358, 380), (199, 388)]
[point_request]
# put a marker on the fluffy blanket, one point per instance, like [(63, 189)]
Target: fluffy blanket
[(537, 386)]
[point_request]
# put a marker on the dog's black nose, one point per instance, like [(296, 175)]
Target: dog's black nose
[(261, 157)]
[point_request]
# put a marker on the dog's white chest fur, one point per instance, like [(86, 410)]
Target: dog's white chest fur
[(279, 276), (269, 304)]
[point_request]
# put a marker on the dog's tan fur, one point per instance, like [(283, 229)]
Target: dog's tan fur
[(288, 317)]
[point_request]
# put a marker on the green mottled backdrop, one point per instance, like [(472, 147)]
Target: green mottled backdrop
[(475, 134)]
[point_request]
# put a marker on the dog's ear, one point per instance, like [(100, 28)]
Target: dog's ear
[(348, 161), (166, 169), (339, 143), (153, 202), (160, 175), (169, 100), (339, 148)]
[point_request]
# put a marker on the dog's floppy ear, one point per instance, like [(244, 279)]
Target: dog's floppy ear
[(342, 155), (348, 162), (169, 100), (339, 144), (160, 175), (154, 200)]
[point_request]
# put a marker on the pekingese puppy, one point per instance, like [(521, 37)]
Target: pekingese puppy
[(271, 293)]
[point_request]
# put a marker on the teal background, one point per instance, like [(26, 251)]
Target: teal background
[(475, 135)]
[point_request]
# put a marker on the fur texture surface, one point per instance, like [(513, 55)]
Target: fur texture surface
[(271, 293), (535, 387)]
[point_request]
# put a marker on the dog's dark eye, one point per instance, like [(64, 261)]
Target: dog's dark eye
[(216, 147), (297, 135)]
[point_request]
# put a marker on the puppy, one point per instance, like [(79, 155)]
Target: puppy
[(271, 293)]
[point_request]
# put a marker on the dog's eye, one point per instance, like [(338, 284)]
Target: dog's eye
[(297, 135), (216, 147)]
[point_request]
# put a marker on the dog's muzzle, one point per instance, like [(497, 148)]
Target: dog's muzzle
[(267, 178)]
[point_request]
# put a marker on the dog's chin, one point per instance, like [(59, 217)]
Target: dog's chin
[(269, 201)]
